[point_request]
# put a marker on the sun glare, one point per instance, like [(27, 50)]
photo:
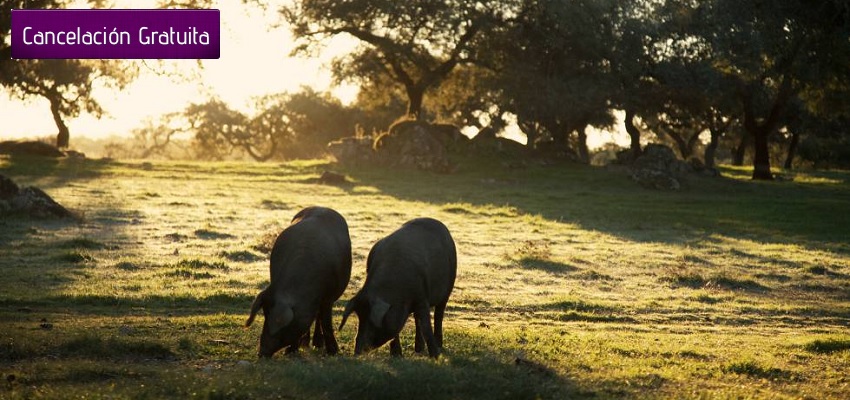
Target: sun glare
[(254, 61)]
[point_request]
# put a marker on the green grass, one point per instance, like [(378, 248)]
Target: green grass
[(573, 282)]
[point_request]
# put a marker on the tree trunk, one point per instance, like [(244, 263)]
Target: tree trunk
[(692, 143), (761, 155), (414, 102), (583, 151), (634, 133), (560, 136), (761, 131), (741, 149), (711, 149), (64, 135), (681, 144), (532, 132), (792, 150)]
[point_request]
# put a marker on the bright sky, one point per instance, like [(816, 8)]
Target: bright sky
[(254, 61)]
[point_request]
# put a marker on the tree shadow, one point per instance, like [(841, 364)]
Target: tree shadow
[(546, 265), (472, 365), (51, 172), (602, 200), (40, 256)]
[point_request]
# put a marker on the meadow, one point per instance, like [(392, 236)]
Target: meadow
[(573, 282)]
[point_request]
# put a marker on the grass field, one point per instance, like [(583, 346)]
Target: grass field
[(573, 282)]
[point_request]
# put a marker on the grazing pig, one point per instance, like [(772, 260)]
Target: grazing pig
[(310, 267), (409, 271)]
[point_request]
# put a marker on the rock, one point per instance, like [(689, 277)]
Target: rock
[(661, 158), (659, 168), (73, 154), (655, 179), (485, 142), (30, 200), (30, 148), (450, 136), (352, 150), (407, 143), (624, 157), (332, 178), (39, 204), (8, 188), (412, 144)]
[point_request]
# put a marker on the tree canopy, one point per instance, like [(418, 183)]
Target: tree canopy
[(774, 52), (416, 44), (750, 75), (67, 84)]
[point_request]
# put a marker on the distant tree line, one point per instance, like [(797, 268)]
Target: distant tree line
[(762, 81), (283, 126), (751, 76)]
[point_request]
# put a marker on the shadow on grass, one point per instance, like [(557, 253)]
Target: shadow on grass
[(150, 305), (546, 265), (828, 346), (696, 281), (597, 199), (473, 366), (460, 377), (755, 370), (46, 174), (52, 172)]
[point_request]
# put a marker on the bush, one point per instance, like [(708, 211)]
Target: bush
[(826, 152)]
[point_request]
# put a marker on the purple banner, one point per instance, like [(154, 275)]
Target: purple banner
[(155, 34)]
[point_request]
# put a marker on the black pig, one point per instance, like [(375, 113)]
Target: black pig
[(310, 266), (409, 271)]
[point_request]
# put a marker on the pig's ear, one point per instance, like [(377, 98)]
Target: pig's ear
[(281, 316), (379, 310)]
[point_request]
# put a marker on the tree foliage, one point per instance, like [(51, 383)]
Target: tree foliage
[(67, 84), (415, 44), (775, 52), (770, 75), (555, 71), (285, 126)]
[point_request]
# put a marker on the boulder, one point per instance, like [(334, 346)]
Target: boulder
[(408, 143), (486, 142), (352, 150), (332, 178), (655, 179), (8, 188), (659, 168), (39, 204), (413, 144), (450, 136), (29, 200), (624, 157)]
